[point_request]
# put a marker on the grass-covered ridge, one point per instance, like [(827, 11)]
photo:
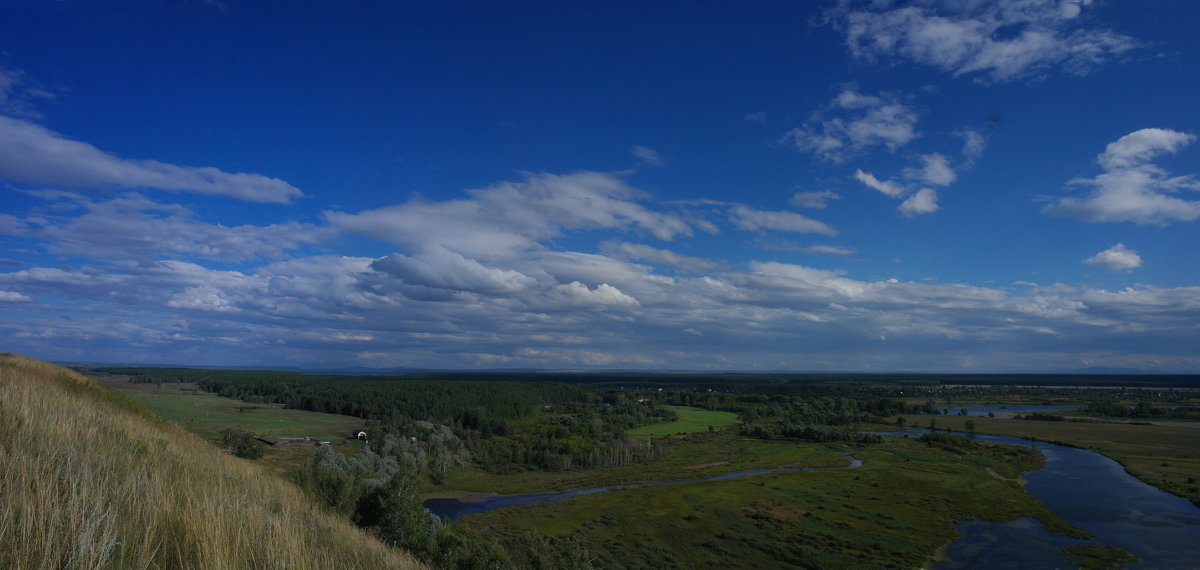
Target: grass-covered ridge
[(89, 478)]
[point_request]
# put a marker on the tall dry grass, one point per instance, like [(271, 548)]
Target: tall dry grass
[(89, 479)]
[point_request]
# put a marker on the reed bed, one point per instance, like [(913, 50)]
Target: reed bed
[(90, 479)]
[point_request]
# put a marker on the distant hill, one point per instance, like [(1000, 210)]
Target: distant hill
[(90, 479)]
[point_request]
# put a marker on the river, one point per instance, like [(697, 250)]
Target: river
[(1086, 489), (1093, 493)]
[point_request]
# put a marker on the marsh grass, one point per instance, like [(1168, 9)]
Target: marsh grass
[(90, 479)]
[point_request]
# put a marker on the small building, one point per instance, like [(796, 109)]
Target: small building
[(359, 434), (643, 399)]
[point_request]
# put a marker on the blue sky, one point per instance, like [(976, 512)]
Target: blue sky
[(940, 185)]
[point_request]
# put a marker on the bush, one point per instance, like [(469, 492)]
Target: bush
[(241, 444)]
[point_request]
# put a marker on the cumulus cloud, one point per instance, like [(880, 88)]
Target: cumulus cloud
[(935, 170), (815, 200), (312, 309), (545, 304), (751, 219), (1131, 189), (854, 123), (1117, 258), (997, 41), (1139, 147), (576, 294), (32, 154), (925, 201), (514, 216)]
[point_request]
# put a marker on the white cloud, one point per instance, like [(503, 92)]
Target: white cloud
[(14, 297), (32, 154), (816, 200), (935, 170), (923, 202), (1001, 41), (134, 227), (514, 216), (577, 294), (1117, 257), (830, 249), (1139, 147), (439, 268), (973, 145), (756, 118), (647, 155), (18, 95), (685, 263), (750, 219), (889, 188), (1131, 189), (854, 123)]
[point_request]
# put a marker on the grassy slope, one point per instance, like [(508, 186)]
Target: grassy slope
[(89, 478), (897, 510), (1163, 456), (691, 420)]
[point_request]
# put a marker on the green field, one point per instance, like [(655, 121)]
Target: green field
[(207, 414), (691, 420), (894, 512)]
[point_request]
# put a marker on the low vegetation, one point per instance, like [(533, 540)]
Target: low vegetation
[(894, 512), (91, 479)]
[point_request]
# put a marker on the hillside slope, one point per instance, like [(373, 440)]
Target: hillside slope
[(90, 479)]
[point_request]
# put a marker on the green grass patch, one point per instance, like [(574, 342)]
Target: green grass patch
[(208, 415), (691, 420)]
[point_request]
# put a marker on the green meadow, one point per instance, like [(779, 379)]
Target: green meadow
[(691, 420), (208, 415)]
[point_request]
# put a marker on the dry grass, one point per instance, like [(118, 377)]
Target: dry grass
[(89, 479)]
